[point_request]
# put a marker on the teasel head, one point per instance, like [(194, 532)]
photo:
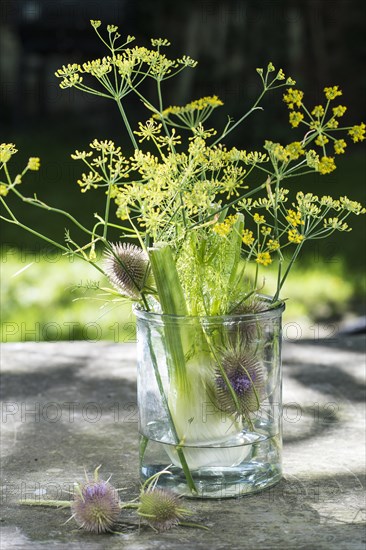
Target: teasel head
[(127, 267), (161, 508), (251, 329), (96, 505), (253, 305), (239, 381)]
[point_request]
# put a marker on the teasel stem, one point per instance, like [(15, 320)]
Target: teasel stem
[(65, 503), (190, 524), (51, 503), (144, 440), (129, 506)]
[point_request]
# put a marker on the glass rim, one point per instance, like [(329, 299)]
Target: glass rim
[(275, 311)]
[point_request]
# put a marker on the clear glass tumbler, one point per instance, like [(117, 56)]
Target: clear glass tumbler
[(209, 397)]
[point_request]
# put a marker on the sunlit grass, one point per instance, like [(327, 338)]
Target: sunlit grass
[(56, 298), (50, 297)]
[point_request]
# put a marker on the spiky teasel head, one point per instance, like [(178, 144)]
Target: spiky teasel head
[(254, 304), (161, 508), (127, 267), (251, 329), (96, 505), (242, 375)]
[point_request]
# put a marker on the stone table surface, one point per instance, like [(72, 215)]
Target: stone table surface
[(67, 406)]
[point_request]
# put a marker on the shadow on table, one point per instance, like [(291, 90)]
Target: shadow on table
[(63, 383), (329, 380), (301, 423), (355, 343)]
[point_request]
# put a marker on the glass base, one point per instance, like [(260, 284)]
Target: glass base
[(260, 469)]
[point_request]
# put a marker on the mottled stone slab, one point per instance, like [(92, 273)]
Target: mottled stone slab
[(66, 406)]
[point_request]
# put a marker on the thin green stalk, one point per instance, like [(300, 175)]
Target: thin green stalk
[(160, 98), (110, 224), (190, 524), (92, 91), (47, 239), (227, 206), (143, 444), (51, 503), (278, 288), (254, 108), (276, 232), (127, 124), (296, 253), (129, 506), (44, 206), (106, 213), (237, 122)]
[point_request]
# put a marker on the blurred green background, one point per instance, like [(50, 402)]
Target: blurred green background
[(46, 296)]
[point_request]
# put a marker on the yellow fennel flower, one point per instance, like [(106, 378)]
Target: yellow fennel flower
[(204, 102), (321, 140), (326, 165), (224, 228), (293, 97), (339, 111), (34, 163), (266, 230), (332, 92), (339, 146), (258, 219), (279, 152), (273, 244), (3, 190), (247, 237), (294, 150), (6, 151), (332, 123), (148, 130), (295, 237), (294, 218), (264, 258), (295, 118), (318, 111), (357, 132)]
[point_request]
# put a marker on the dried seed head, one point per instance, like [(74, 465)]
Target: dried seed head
[(96, 506), (251, 330), (161, 509), (245, 376), (251, 306), (127, 267)]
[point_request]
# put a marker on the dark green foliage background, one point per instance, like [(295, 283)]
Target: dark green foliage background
[(317, 42)]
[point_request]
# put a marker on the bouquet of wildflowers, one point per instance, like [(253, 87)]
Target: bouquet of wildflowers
[(189, 223)]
